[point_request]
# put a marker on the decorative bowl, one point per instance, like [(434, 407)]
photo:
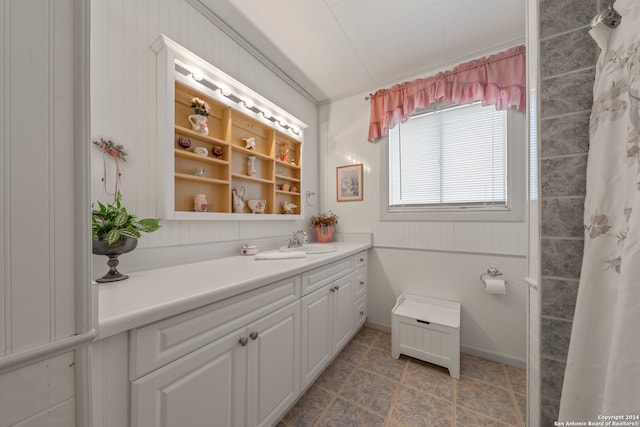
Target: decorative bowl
[(249, 250), (201, 151), (184, 142), (257, 206), (217, 151)]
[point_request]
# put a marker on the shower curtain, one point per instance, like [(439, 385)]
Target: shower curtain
[(602, 376)]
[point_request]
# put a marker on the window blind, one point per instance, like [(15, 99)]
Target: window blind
[(452, 157)]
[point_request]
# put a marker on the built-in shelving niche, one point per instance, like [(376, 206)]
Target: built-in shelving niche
[(236, 114)]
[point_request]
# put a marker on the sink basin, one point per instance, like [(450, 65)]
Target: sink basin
[(312, 248)]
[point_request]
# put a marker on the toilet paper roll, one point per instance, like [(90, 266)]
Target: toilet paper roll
[(494, 286)]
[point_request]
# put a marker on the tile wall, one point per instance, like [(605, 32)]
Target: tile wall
[(568, 57)]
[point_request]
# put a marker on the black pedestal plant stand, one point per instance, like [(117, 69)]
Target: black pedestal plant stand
[(113, 251)]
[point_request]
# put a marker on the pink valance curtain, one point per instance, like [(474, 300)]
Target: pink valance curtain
[(498, 80)]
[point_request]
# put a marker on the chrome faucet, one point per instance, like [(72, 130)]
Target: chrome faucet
[(298, 239)]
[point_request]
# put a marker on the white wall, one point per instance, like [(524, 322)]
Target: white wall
[(124, 110), (39, 248), (436, 259)]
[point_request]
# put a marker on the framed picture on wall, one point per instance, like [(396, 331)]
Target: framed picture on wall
[(349, 183)]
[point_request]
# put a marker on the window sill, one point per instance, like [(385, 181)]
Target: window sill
[(464, 215)]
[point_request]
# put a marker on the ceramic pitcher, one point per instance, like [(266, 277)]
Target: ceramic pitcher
[(199, 123)]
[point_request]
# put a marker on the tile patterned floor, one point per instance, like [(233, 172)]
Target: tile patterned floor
[(365, 386)]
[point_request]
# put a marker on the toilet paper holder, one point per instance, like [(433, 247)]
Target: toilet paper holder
[(491, 272)]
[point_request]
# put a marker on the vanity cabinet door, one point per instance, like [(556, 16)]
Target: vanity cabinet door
[(273, 369), (342, 315), (205, 388), (327, 325), (317, 347)]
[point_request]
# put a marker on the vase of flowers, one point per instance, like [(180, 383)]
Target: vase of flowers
[(200, 118), (324, 225)]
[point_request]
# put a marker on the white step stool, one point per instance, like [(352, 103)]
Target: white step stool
[(427, 329)]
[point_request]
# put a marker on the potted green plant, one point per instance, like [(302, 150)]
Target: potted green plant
[(324, 225), (115, 231)]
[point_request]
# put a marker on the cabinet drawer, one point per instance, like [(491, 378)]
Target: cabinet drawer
[(159, 343), (360, 260), (359, 283), (360, 311), (318, 277)]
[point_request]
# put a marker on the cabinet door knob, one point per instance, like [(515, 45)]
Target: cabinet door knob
[(361, 259), (243, 341), (332, 289), (253, 335), (337, 288), (362, 313), (362, 283)]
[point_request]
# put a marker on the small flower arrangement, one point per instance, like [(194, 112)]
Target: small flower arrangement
[(324, 219), (116, 151), (200, 107)]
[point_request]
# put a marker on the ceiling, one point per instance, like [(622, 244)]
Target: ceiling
[(331, 49)]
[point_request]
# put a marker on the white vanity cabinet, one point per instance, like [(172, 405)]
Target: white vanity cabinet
[(241, 359), (248, 377), (332, 311)]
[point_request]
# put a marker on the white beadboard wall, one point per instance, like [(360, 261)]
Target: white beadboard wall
[(124, 110), (446, 258), (41, 394), (37, 266), (36, 256)]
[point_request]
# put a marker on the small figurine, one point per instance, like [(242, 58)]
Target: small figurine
[(217, 152), (257, 206), (287, 208), (284, 152), (250, 143), (238, 203), (200, 203)]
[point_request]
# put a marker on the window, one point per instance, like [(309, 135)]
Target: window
[(459, 163)]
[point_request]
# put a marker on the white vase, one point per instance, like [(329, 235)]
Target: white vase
[(251, 165), (199, 123), (238, 203)]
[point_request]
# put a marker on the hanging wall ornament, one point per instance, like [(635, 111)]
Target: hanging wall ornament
[(117, 153)]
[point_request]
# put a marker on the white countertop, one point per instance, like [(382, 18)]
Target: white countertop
[(149, 296)]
